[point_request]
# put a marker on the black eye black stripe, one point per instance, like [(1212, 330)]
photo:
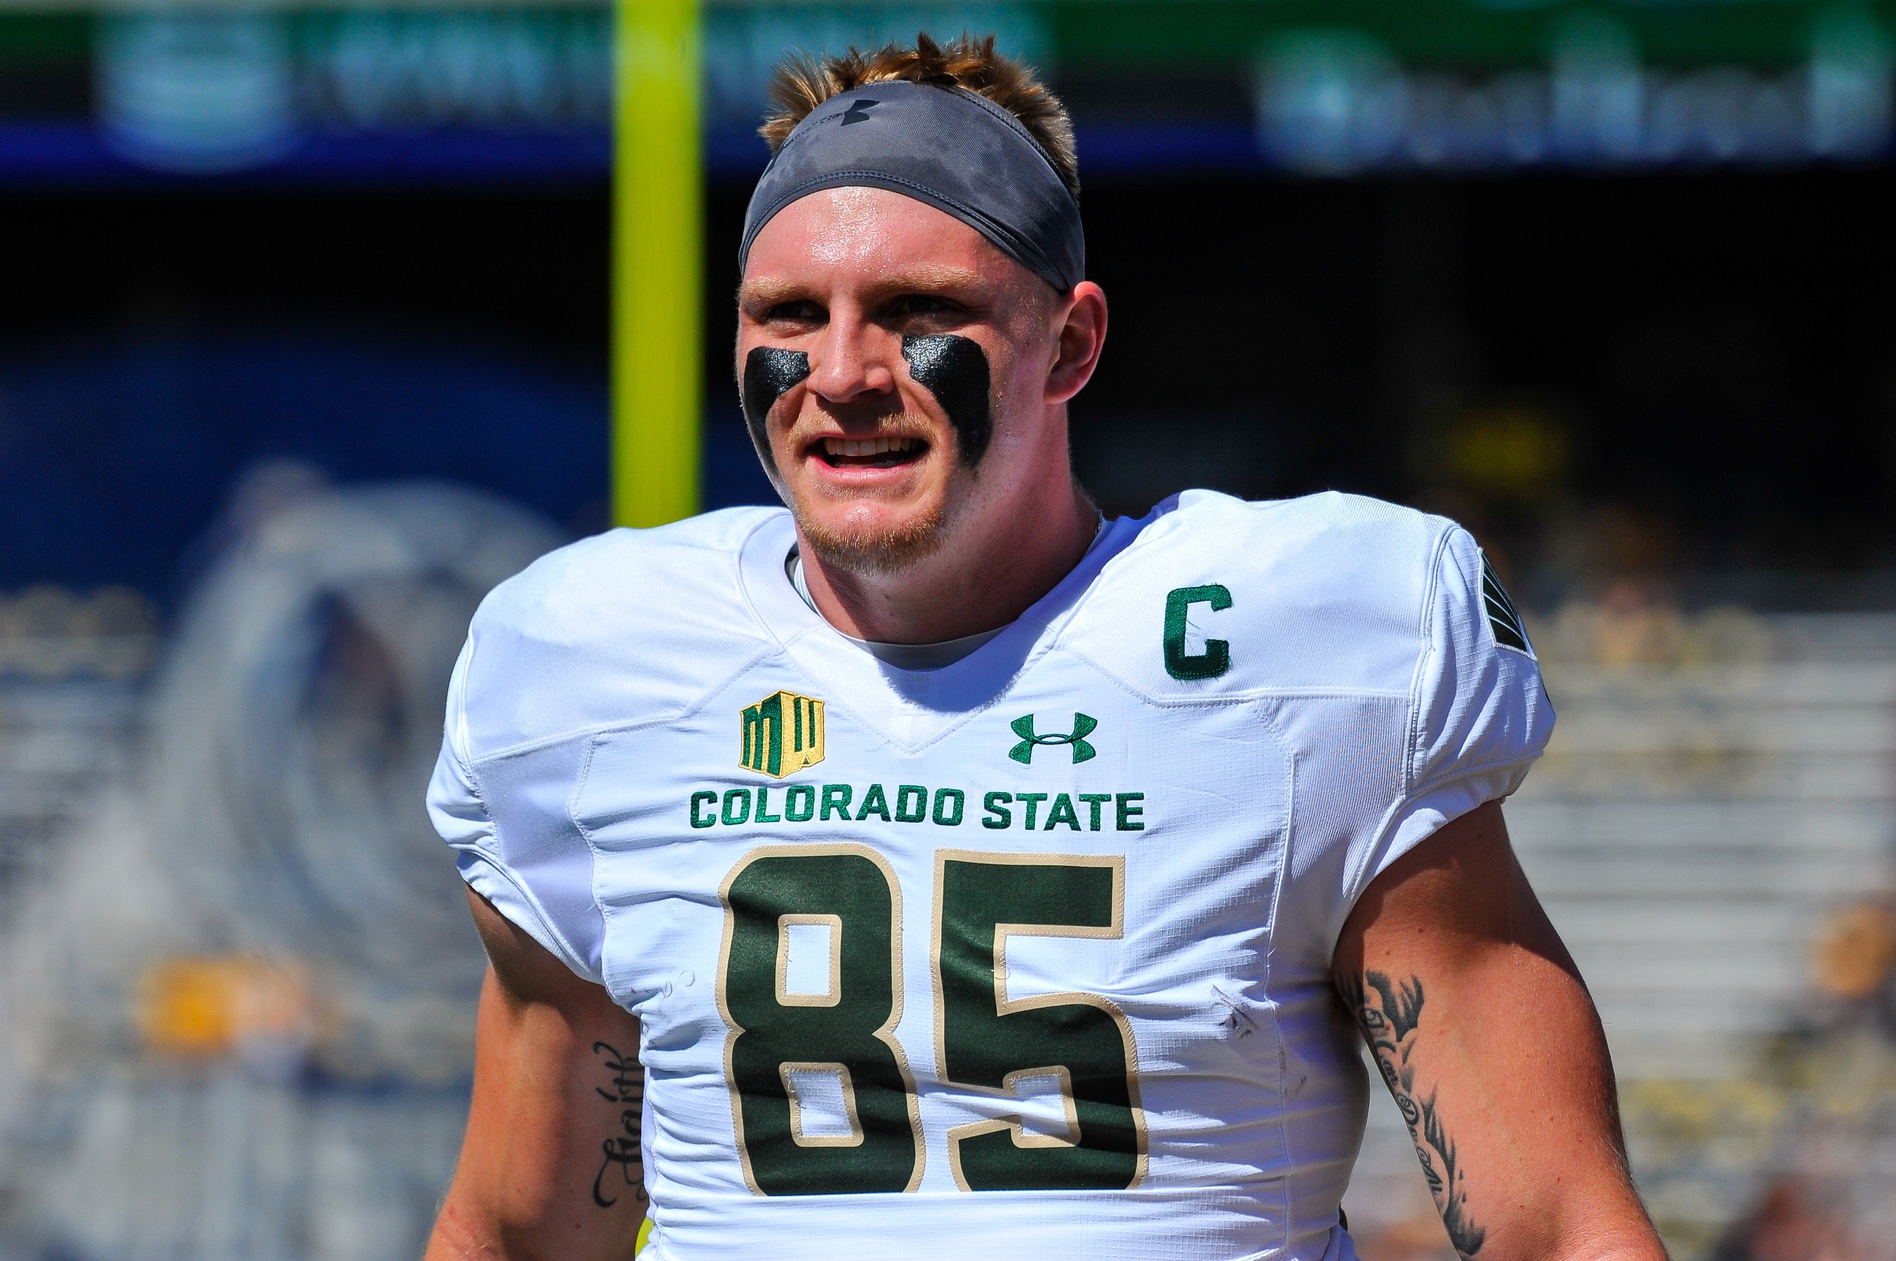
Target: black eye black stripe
[(955, 370), (769, 373)]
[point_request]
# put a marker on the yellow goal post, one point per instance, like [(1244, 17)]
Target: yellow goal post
[(657, 262)]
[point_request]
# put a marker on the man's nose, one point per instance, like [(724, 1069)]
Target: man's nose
[(854, 359)]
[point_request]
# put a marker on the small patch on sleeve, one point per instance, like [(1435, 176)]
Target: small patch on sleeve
[(1503, 618)]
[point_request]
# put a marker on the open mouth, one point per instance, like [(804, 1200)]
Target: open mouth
[(870, 452)]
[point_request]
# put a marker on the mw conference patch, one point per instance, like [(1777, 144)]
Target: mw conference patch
[(782, 734)]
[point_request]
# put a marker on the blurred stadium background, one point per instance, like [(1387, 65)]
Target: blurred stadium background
[(306, 342)]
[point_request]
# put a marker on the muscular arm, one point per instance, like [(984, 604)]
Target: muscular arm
[(550, 1165), (1482, 1030)]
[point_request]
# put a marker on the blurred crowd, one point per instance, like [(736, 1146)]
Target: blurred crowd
[(236, 974)]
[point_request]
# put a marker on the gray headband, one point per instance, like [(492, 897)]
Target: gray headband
[(953, 149)]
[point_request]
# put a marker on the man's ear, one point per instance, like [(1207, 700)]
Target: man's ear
[(1082, 335)]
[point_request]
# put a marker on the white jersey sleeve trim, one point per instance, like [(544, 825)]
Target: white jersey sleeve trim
[(511, 898), (1417, 818)]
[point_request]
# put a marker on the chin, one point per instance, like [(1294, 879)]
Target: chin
[(874, 547)]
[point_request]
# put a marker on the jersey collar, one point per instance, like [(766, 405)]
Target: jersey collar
[(911, 707)]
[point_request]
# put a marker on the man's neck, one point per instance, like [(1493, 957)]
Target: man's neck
[(974, 582)]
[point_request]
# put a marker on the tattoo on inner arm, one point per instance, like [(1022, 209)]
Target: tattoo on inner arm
[(1389, 1013), (622, 1150)]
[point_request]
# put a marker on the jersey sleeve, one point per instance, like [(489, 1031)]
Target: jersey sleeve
[(1478, 712), (506, 820)]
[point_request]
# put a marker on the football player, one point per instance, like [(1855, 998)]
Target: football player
[(936, 867)]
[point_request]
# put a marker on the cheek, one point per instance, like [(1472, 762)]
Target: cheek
[(1019, 392)]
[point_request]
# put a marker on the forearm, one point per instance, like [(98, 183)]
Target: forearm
[(1482, 1031), (1510, 1110)]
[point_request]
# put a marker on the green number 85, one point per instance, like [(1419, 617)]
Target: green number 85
[(985, 1042)]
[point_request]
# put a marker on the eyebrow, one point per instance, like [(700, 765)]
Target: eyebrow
[(925, 278)]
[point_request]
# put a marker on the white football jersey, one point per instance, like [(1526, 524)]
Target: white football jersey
[(1030, 953)]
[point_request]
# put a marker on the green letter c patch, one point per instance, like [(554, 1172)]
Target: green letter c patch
[(1216, 658)]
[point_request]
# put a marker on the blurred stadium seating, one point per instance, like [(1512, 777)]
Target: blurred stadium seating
[(237, 979)]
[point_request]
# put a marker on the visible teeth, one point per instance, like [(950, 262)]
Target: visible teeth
[(868, 446)]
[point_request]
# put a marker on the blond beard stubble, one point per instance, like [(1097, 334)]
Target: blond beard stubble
[(875, 553), (878, 553)]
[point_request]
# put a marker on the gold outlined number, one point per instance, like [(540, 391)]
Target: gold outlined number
[(985, 1041), (847, 1033)]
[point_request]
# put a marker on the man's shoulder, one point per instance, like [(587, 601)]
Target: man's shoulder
[(1308, 530), (624, 626), (631, 570), (1324, 591)]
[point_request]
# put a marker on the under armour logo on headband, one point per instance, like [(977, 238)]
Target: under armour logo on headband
[(858, 111)]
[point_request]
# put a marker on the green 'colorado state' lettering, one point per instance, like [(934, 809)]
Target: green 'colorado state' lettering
[(799, 803), (874, 802), (836, 801), (914, 803), (946, 797), (911, 803)]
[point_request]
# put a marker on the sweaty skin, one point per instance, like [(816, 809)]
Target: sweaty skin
[(770, 372), (846, 276), (955, 370)]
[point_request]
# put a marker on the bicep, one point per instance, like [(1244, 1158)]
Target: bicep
[(1481, 1028), (551, 1163)]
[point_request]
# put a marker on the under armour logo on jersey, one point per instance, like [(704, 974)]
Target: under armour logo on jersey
[(1083, 725), (858, 111), (1503, 618)]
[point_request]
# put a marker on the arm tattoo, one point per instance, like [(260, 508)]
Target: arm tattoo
[(622, 1150), (1389, 1014)]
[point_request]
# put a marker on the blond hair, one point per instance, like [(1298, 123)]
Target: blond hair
[(802, 83)]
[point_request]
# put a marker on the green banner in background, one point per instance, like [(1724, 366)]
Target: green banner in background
[(1459, 34), (1328, 87)]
